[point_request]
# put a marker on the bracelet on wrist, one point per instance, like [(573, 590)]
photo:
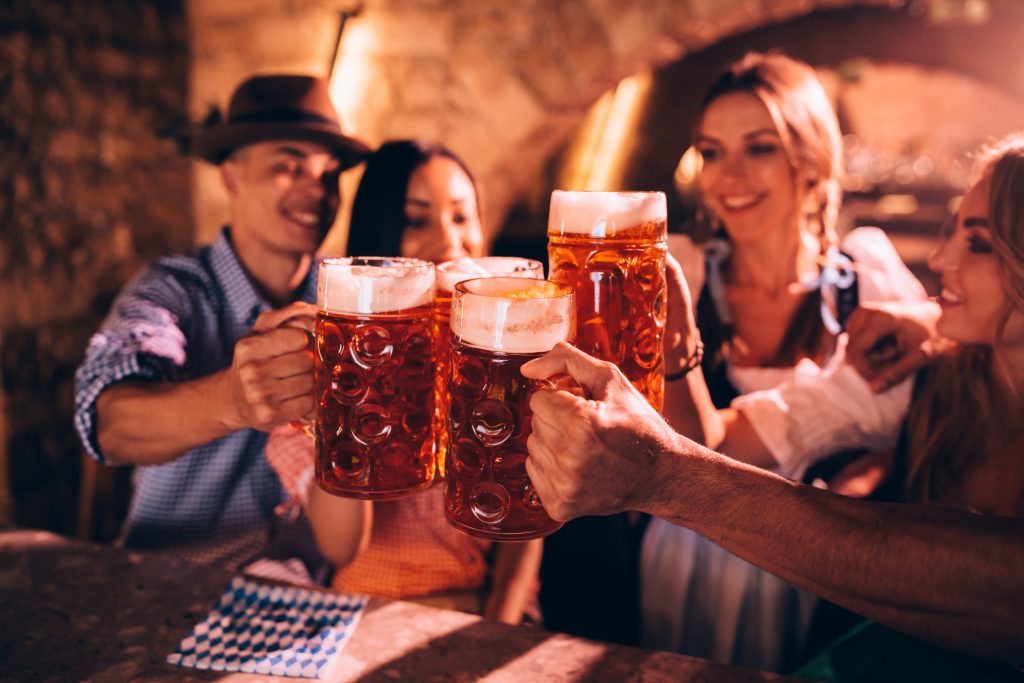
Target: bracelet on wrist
[(692, 361)]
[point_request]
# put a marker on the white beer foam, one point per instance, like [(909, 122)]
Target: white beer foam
[(343, 287), (603, 214), (490, 319), (450, 273)]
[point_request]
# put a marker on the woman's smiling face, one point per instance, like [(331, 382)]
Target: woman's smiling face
[(746, 178), (973, 297), (441, 212)]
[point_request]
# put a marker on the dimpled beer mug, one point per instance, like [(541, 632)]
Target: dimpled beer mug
[(449, 274), (374, 377), (610, 248), (497, 324)]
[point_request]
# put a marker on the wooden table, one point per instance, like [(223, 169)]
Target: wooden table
[(77, 611)]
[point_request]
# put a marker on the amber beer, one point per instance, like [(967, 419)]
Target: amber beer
[(497, 324), (374, 377), (610, 248), (449, 274)]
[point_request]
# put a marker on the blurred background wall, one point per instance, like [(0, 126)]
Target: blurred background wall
[(96, 98), (93, 183)]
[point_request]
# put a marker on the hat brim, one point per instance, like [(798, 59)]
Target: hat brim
[(216, 143)]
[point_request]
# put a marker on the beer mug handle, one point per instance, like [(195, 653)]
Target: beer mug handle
[(600, 308), (299, 316)]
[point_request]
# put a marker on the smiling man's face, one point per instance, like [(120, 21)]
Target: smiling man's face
[(284, 193)]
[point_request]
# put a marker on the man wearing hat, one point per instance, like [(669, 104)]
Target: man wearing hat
[(201, 356)]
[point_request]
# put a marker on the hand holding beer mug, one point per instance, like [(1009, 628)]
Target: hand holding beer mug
[(449, 274), (497, 324), (374, 377), (610, 248)]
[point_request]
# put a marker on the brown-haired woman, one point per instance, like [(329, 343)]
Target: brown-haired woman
[(961, 443), (774, 286)]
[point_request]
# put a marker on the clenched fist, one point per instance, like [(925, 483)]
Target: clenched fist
[(592, 456), (271, 375)]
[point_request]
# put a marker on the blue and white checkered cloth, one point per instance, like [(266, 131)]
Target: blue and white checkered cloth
[(276, 630)]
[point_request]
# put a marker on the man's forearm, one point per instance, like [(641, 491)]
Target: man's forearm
[(949, 577), (149, 424)]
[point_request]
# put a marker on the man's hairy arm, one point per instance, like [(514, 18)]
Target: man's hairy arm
[(149, 424), (949, 577)]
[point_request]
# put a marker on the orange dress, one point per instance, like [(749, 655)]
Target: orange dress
[(413, 551)]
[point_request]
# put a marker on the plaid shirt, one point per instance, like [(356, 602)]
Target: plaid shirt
[(179, 320)]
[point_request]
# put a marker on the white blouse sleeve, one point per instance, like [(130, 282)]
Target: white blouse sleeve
[(818, 413), (815, 415)]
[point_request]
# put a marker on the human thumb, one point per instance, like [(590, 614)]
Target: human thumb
[(588, 372)]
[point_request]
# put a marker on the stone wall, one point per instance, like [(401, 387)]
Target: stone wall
[(231, 40), (92, 184)]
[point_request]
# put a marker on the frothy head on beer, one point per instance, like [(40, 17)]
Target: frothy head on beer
[(513, 315), (364, 285), (453, 272), (603, 214)]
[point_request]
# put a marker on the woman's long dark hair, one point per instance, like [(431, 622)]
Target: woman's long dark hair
[(378, 211)]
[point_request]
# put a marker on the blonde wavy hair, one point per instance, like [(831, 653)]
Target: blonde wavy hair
[(966, 393)]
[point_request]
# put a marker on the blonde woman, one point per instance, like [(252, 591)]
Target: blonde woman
[(774, 287)]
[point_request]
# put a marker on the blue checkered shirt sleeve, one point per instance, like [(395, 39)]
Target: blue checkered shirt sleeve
[(142, 339)]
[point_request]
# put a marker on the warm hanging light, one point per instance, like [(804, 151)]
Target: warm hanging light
[(351, 67)]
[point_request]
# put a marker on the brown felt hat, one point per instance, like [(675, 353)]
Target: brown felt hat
[(277, 107)]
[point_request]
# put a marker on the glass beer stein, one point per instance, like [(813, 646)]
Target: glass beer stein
[(497, 324), (374, 377), (610, 248), (449, 274)]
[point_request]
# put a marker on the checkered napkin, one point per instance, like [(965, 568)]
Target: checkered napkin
[(277, 630)]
